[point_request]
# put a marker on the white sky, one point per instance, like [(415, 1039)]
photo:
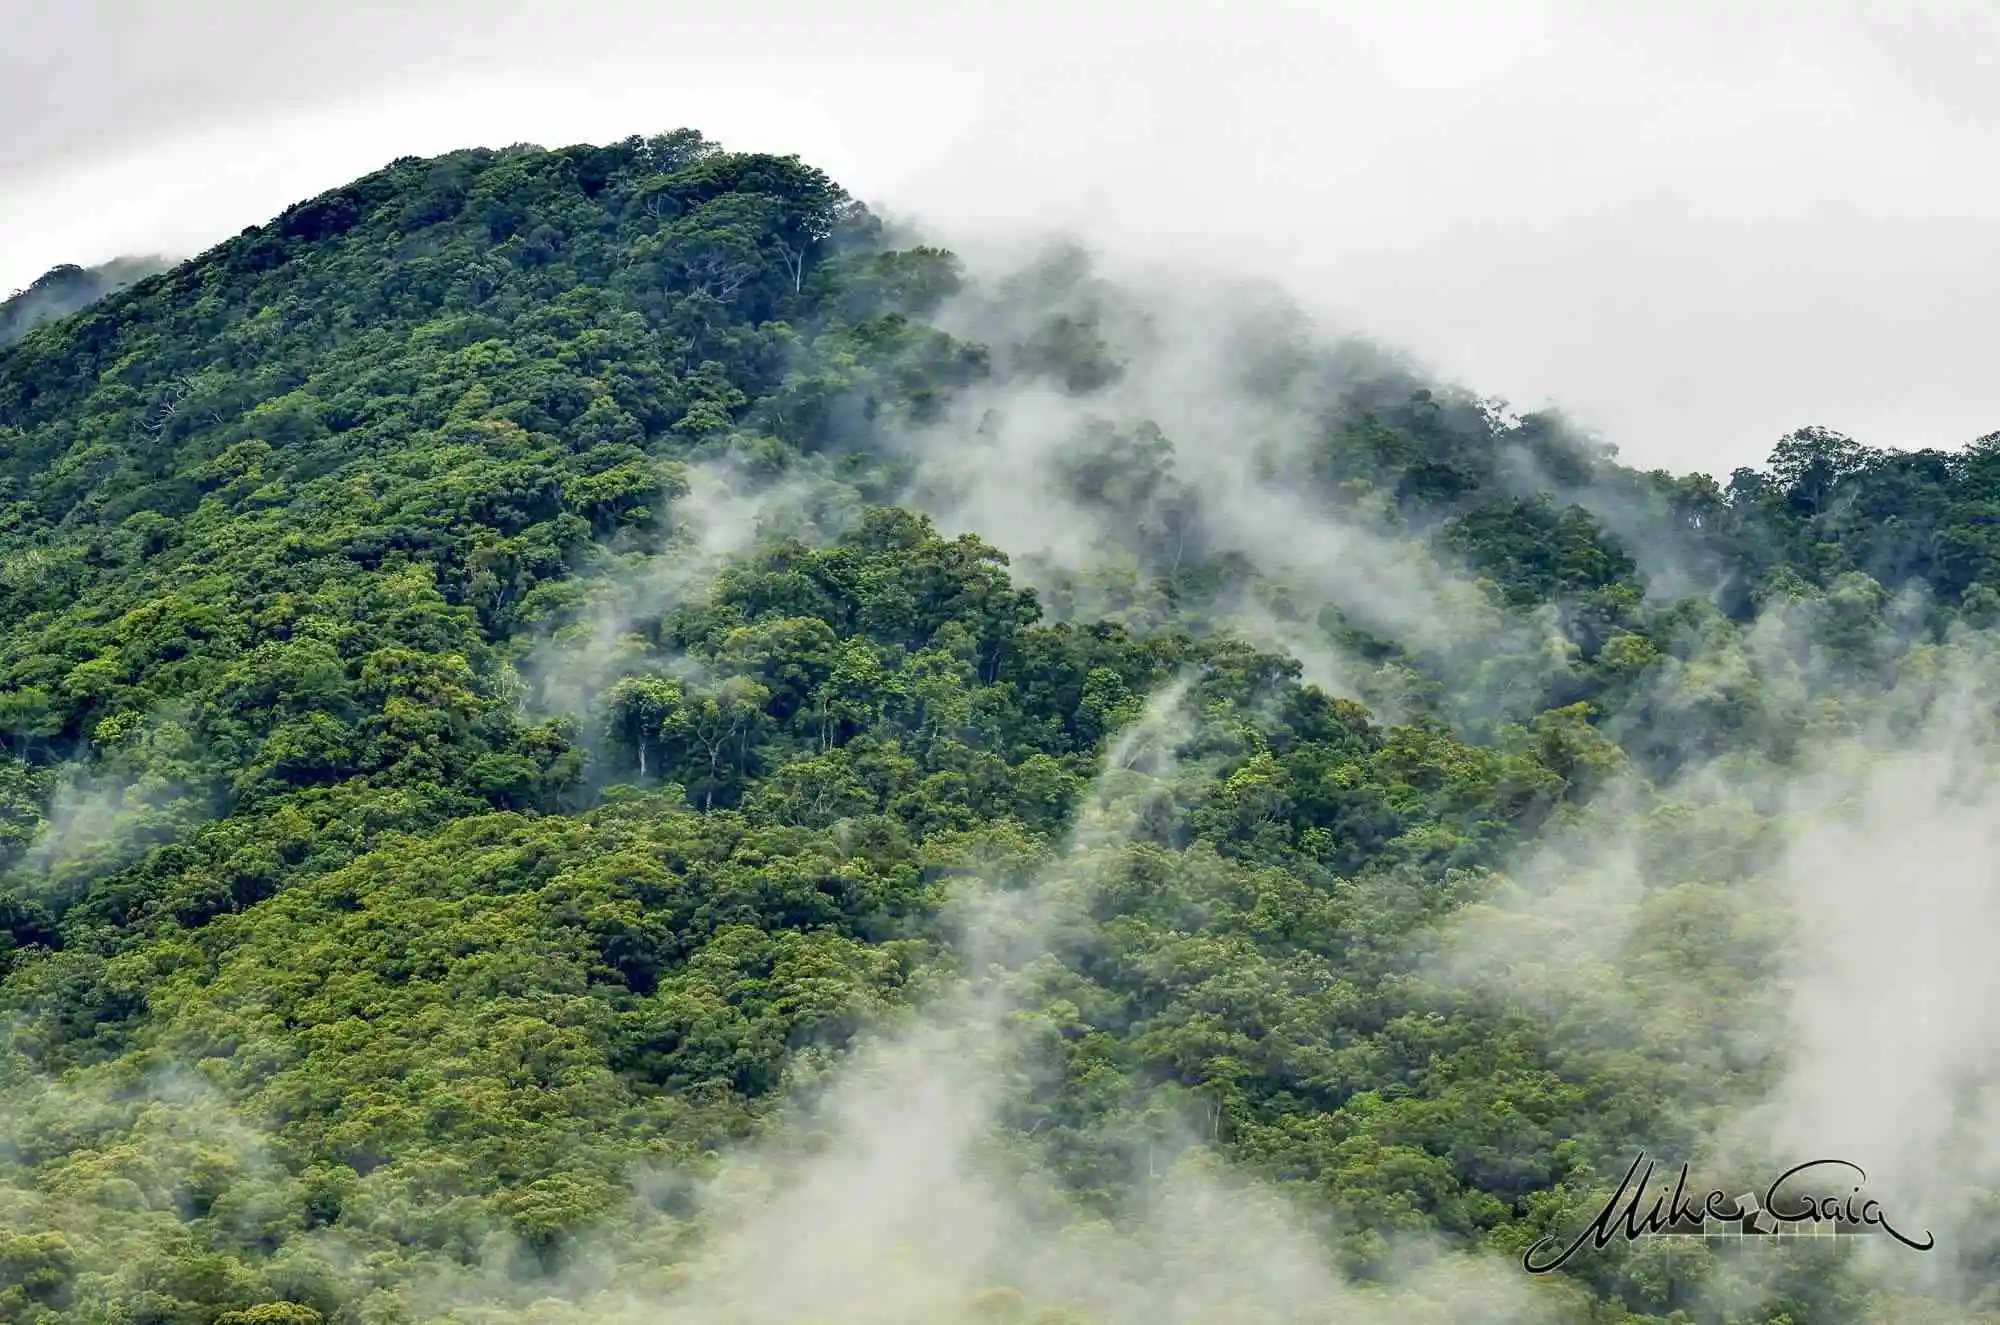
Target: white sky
[(1693, 225)]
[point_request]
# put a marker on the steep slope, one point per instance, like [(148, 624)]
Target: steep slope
[(489, 725)]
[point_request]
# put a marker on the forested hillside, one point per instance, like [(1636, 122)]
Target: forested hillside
[(518, 802)]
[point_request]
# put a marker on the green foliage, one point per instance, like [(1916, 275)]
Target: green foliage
[(377, 770)]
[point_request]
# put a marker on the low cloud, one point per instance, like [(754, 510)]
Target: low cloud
[(1796, 951)]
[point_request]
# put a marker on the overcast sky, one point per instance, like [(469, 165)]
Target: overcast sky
[(1693, 225)]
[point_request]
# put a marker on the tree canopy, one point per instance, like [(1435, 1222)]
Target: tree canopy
[(485, 717)]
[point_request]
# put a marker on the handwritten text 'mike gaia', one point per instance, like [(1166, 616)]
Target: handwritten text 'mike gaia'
[(1676, 1216)]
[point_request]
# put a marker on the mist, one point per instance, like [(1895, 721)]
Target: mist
[(891, 1188), (1197, 249), (1139, 423), (1695, 227), (63, 290), (1798, 943)]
